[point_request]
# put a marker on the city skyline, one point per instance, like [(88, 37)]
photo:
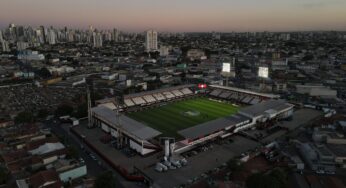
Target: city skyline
[(179, 16)]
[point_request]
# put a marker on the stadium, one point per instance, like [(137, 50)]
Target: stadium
[(190, 114)]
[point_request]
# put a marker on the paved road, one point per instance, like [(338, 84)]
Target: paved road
[(94, 168)]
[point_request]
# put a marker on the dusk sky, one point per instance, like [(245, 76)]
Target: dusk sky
[(179, 15)]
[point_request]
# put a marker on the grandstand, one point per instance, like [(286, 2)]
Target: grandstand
[(239, 95), (149, 98), (177, 93), (136, 134), (156, 96)]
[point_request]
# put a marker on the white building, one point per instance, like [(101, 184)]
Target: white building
[(5, 46), (164, 51), (115, 35), (1, 38), (134, 134), (97, 40), (193, 54), (51, 37), (22, 45), (151, 41)]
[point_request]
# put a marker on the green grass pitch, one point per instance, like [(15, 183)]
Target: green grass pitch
[(170, 118)]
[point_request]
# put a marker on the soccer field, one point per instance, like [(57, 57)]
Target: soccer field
[(176, 116)]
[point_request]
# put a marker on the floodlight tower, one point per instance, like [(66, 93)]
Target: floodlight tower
[(228, 70), (263, 73), (118, 102), (119, 126), (90, 120)]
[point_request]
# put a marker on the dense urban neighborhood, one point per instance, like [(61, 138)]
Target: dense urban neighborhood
[(109, 108)]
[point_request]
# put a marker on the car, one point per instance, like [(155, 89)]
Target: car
[(176, 163), (93, 157), (330, 172), (158, 168), (81, 160), (172, 167), (162, 166), (183, 162), (167, 163)]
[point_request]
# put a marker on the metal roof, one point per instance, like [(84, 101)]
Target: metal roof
[(246, 91), (266, 106), (212, 126), (129, 125), (158, 91)]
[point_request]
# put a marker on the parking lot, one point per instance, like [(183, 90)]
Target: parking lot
[(301, 118)]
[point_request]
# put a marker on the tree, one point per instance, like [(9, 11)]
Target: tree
[(63, 110), (42, 113), (44, 73), (24, 117), (275, 179), (106, 179), (82, 110), (4, 175), (235, 165), (72, 152)]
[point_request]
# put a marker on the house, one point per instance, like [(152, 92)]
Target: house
[(42, 179)]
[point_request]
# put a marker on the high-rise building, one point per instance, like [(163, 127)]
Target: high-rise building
[(43, 34), (51, 36), (115, 35), (22, 45), (151, 41), (97, 40), (5, 46), (1, 37)]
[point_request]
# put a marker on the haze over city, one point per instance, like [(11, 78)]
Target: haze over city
[(173, 93), (179, 15)]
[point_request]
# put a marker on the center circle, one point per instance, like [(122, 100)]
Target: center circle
[(191, 113)]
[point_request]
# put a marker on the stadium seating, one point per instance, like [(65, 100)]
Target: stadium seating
[(225, 94), (216, 92), (138, 100), (234, 96), (128, 102), (186, 91), (177, 93), (247, 99), (255, 101), (149, 98), (168, 95), (159, 96)]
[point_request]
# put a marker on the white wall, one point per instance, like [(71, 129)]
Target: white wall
[(105, 127)]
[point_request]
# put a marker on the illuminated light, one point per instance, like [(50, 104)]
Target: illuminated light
[(263, 72), (226, 67), (202, 86)]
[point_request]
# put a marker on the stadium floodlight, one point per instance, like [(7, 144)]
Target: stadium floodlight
[(226, 67), (263, 72)]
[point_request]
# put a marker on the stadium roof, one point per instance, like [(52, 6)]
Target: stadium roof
[(212, 126), (131, 126), (158, 91), (268, 106), (271, 96)]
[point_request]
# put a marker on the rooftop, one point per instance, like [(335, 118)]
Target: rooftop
[(212, 126), (131, 126), (266, 106)]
